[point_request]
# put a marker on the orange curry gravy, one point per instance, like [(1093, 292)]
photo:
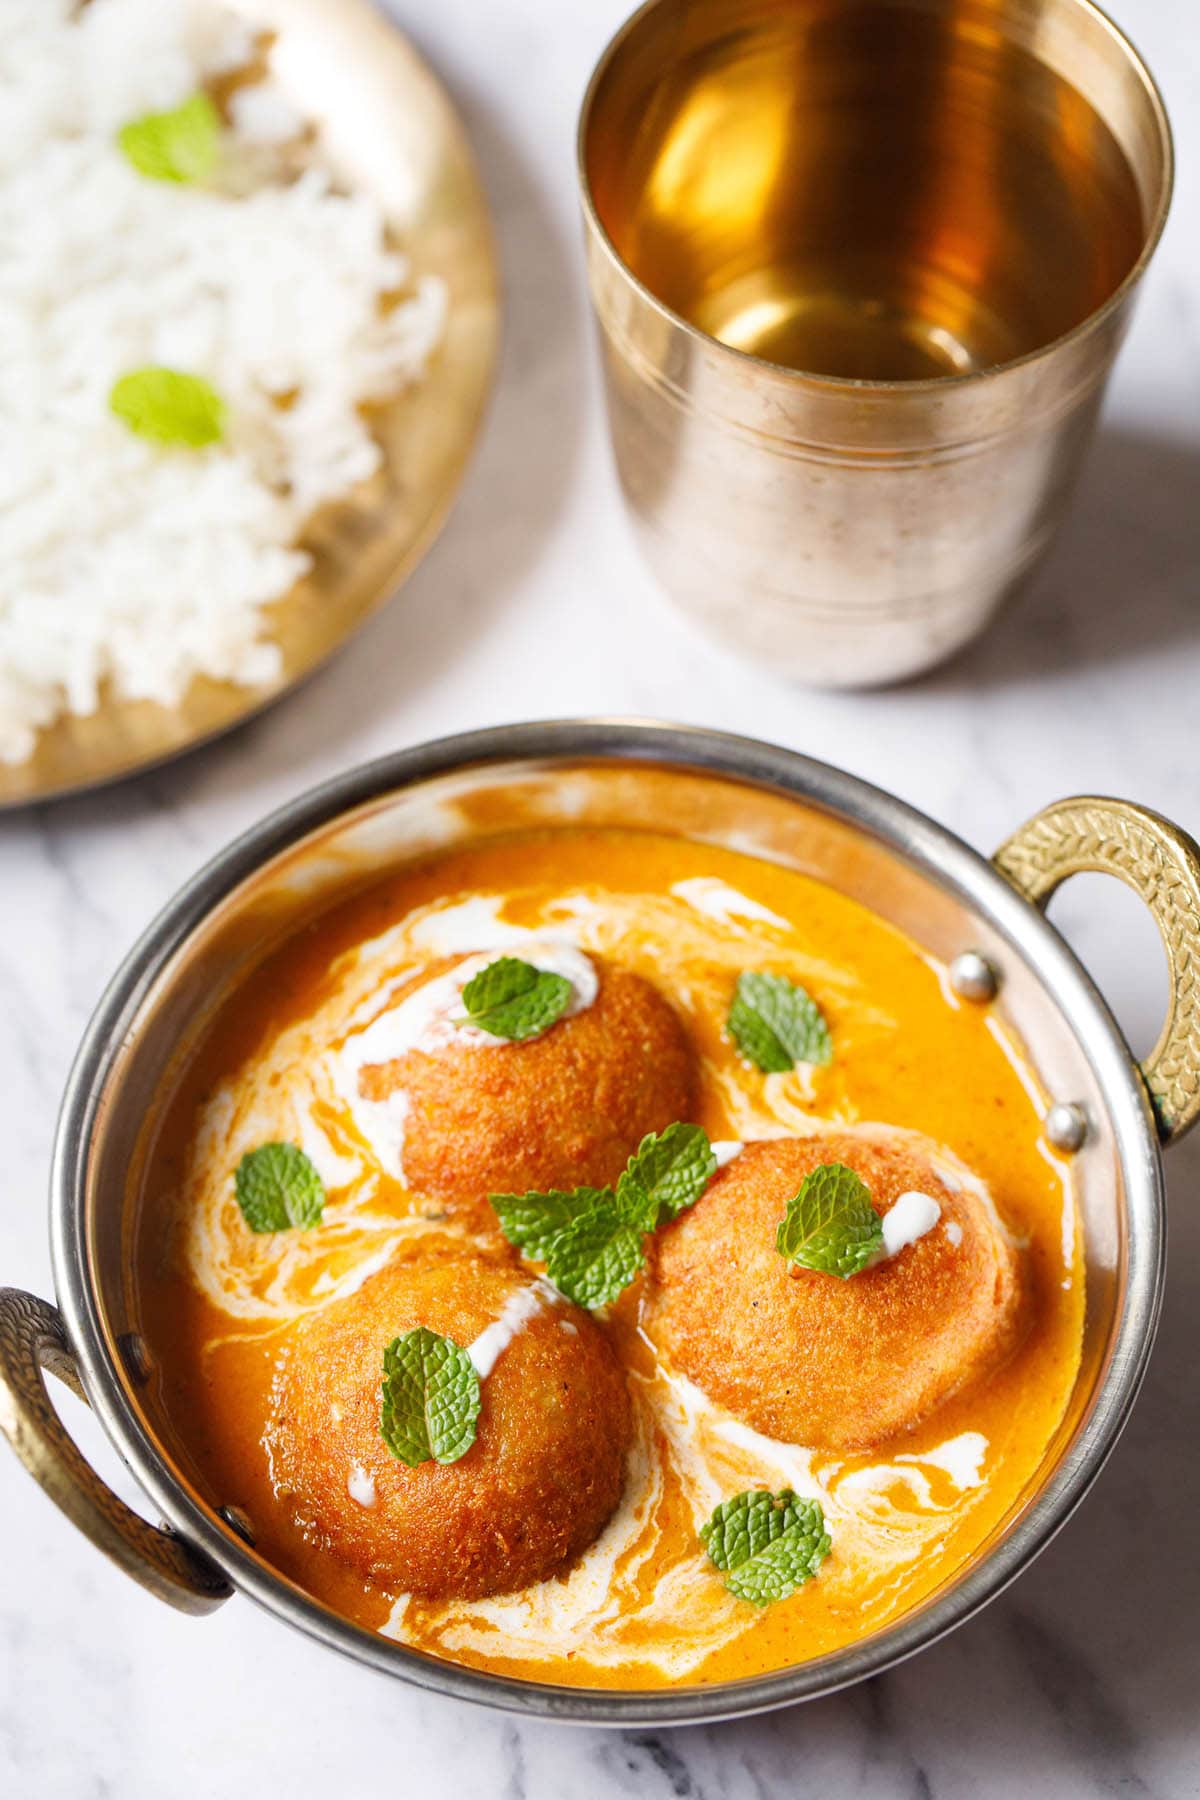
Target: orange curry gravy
[(645, 1608)]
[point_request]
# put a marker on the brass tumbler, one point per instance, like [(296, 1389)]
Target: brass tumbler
[(861, 268)]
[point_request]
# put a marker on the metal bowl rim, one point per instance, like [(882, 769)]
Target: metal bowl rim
[(899, 827)]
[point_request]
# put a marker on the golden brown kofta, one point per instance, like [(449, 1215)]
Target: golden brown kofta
[(536, 1487), (809, 1358), (563, 1110)]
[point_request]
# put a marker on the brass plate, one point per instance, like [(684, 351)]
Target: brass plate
[(388, 125)]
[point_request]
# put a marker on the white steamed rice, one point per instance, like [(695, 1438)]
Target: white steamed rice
[(121, 562)]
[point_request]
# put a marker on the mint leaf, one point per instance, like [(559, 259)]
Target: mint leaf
[(667, 1173), (767, 1545), (589, 1239), (598, 1255), (278, 1189), (169, 407), (533, 1221), (776, 1024), (830, 1224), (512, 999), (180, 145), (430, 1398)]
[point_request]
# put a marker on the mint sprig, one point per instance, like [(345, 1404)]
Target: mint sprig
[(278, 1189), (830, 1225), (776, 1024), (533, 1221), (592, 1239), (588, 1238), (179, 145), (513, 999), (431, 1398), (169, 407), (667, 1173), (766, 1545)]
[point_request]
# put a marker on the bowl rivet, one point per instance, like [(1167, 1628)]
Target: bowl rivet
[(136, 1356), (1066, 1125), (972, 976), (239, 1521)]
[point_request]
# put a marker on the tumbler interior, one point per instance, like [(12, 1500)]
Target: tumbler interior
[(881, 190)]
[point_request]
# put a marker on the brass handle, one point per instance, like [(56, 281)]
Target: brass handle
[(32, 1339), (1159, 862)]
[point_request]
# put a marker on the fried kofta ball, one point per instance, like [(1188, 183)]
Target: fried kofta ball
[(534, 1490), (812, 1359), (563, 1110)]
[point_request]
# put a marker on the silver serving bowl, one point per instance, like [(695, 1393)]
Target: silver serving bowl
[(980, 918)]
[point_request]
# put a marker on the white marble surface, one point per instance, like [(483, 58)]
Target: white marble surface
[(1081, 1681)]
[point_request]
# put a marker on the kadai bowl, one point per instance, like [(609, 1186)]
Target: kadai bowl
[(615, 1222)]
